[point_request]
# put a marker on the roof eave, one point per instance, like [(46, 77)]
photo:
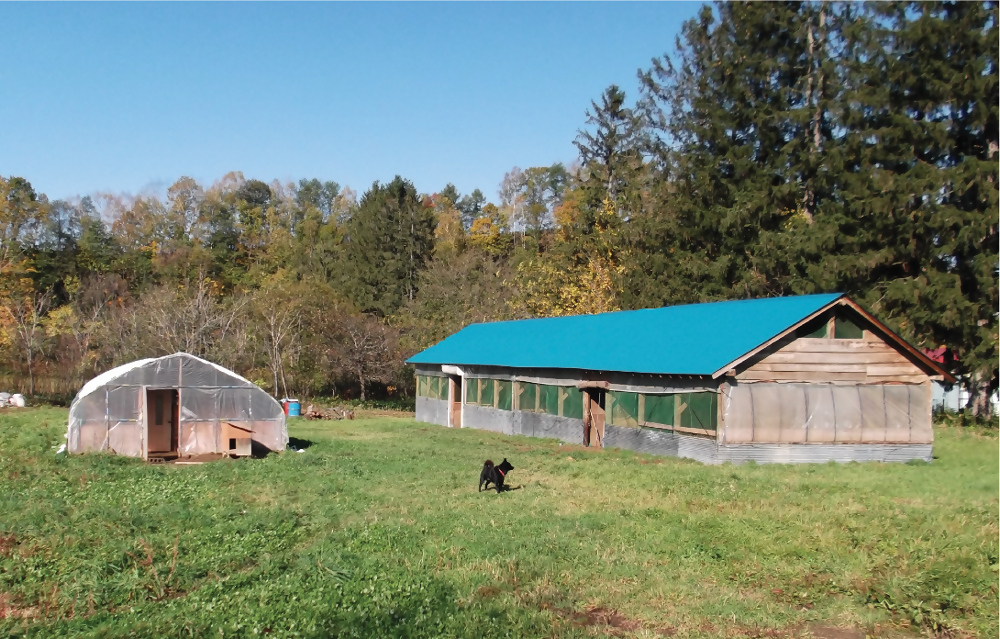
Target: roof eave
[(902, 343)]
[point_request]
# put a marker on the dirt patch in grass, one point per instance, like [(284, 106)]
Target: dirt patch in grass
[(833, 632), (751, 632), (611, 622), (10, 610), (370, 435), (575, 448), (487, 591), (7, 543), (607, 621), (363, 413)]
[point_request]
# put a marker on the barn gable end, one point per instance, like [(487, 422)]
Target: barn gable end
[(807, 359), (839, 344)]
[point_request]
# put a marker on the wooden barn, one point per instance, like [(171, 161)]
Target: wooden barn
[(795, 379)]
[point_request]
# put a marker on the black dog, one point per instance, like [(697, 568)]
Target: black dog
[(494, 474)]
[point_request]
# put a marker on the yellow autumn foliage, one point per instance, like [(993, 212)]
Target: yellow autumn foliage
[(551, 288)]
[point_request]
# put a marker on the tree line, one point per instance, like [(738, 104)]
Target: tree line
[(780, 148)]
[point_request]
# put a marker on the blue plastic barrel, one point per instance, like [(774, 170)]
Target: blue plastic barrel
[(293, 408)]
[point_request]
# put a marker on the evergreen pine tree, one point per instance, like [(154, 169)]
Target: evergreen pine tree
[(737, 127), (611, 151), (387, 242), (913, 230)]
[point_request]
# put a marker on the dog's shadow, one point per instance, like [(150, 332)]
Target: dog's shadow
[(505, 489)]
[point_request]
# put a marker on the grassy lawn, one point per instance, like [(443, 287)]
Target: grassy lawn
[(377, 530)]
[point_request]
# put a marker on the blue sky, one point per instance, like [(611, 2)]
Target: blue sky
[(129, 97)]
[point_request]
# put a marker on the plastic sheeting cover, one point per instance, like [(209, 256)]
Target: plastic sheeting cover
[(107, 413), (623, 408), (125, 438), (572, 402), (485, 392), (527, 400), (826, 413), (659, 409), (198, 437), (548, 399), (504, 394)]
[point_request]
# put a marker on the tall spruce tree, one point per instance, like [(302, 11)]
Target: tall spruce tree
[(736, 124), (833, 147), (387, 242), (912, 232), (611, 150)]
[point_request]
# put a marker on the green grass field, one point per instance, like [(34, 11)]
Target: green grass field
[(377, 530)]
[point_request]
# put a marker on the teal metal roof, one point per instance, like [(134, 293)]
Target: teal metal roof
[(693, 339)]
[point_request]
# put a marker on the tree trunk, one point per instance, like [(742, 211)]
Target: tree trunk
[(274, 369), (31, 376), (361, 382), (979, 398), (284, 384), (813, 93)]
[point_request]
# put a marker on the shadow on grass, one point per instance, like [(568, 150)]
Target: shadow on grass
[(503, 489), (259, 451), (299, 444)]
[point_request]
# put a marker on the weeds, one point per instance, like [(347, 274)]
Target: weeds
[(983, 426), (160, 588), (400, 404)]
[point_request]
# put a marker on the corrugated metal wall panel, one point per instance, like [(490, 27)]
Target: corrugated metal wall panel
[(565, 429), (701, 449), (643, 440), (822, 453)]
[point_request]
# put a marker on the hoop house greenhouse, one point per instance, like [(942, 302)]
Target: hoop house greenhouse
[(174, 406)]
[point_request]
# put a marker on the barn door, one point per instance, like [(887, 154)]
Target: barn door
[(456, 402), (593, 418), (161, 421)]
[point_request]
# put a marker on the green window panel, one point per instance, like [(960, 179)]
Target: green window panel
[(658, 409), (846, 329), (486, 392), (471, 391), (572, 403), (699, 410), (623, 408), (434, 387), (421, 381), (504, 398), (548, 399), (445, 388), (527, 399)]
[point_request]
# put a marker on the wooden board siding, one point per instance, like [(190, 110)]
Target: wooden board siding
[(806, 359)]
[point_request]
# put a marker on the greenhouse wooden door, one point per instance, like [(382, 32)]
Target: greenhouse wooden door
[(161, 421), (593, 417)]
